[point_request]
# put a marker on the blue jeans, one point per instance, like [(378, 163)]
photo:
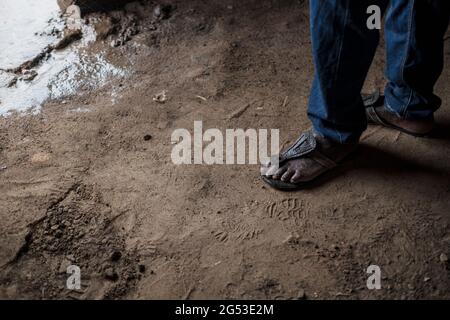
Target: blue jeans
[(344, 47)]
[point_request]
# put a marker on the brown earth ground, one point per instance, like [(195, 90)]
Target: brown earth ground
[(88, 189)]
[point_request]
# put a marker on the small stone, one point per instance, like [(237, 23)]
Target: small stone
[(157, 11), (163, 11), (289, 239), (443, 257), (160, 97), (40, 157), (73, 12), (110, 274), (426, 279)]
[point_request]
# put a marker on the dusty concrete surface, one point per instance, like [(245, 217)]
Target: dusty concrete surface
[(98, 188)]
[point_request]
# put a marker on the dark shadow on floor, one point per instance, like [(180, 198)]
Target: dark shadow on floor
[(375, 160), (383, 161), (441, 131)]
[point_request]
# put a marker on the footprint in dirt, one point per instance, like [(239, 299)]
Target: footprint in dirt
[(291, 211), (243, 225)]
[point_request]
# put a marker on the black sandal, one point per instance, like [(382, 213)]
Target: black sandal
[(305, 146)]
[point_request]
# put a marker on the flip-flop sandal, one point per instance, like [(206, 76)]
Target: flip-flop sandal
[(305, 146), (376, 100)]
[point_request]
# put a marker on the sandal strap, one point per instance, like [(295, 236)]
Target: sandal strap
[(371, 102), (306, 145), (373, 99), (373, 116)]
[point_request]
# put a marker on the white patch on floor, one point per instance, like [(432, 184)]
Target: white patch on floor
[(25, 29), (62, 74)]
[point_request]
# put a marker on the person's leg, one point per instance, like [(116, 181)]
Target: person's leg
[(414, 42), (343, 49)]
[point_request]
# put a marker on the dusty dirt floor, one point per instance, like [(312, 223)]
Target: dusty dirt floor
[(88, 189)]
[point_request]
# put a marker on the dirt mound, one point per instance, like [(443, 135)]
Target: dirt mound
[(76, 230)]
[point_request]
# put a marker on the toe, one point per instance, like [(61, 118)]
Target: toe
[(271, 171), (279, 173), (297, 177), (287, 175)]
